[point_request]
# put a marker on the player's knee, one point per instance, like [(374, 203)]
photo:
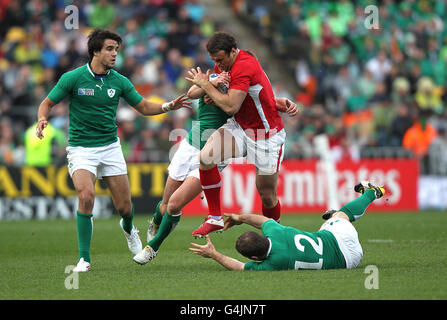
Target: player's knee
[(86, 198), (124, 207), (206, 158), (268, 198), (174, 206)]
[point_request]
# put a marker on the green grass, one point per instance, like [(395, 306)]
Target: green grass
[(407, 248)]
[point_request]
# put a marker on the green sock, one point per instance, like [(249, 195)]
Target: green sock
[(127, 222), (357, 207), (167, 225), (84, 222), (158, 216)]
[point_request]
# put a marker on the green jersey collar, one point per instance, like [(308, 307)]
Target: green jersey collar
[(92, 73), (270, 247)]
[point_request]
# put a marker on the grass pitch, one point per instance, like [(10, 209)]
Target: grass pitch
[(408, 250)]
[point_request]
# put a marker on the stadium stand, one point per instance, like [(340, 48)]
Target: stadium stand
[(364, 88), (369, 85)]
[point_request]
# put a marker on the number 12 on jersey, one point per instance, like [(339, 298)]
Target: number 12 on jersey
[(318, 247)]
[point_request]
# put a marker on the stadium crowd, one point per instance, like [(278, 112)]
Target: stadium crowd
[(374, 92), (371, 90)]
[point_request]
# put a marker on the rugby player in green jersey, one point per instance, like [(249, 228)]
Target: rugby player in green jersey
[(334, 246), (94, 150), (183, 182)]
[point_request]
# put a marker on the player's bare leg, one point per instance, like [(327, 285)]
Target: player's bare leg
[(266, 184), (120, 190), (84, 183), (219, 147)]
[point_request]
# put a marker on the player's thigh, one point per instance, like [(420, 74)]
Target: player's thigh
[(170, 187), (189, 189), (220, 146), (84, 181), (120, 191)]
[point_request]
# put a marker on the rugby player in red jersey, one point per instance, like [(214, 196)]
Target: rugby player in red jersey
[(255, 130)]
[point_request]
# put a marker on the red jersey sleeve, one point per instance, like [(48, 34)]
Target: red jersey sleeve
[(241, 77)]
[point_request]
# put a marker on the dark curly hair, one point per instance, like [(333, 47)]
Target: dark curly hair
[(221, 41), (96, 40)]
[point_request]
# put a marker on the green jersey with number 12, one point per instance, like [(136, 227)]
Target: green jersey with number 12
[(291, 248)]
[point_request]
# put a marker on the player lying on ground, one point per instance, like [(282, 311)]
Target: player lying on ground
[(183, 182), (334, 246)]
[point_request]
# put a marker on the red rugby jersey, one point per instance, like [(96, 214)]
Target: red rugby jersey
[(258, 111)]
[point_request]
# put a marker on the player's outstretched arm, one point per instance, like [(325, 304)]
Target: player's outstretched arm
[(209, 251), (42, 116), (148, 108), (255, 220)]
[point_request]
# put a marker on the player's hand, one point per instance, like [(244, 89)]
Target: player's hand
[(197, 77), (39, 128), (291, 108), (203, 250), (222, 78), (180, 102), (231, 220)]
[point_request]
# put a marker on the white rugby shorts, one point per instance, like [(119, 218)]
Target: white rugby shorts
[(185, 162), (265, 154), (347, 239), (102, 161)]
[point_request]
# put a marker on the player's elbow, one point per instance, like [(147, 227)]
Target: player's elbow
[(231, 110)]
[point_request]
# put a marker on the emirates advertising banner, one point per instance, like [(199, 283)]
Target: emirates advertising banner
[(305, 187)]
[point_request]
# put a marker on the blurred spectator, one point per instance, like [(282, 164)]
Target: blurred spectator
[(427, 96), (11, 151), (379, 66), (102, 14), (44, 152), (173, 65), (400, 124), (419, 137), (438, 154)]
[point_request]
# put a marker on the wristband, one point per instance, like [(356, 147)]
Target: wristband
[(166, 106)]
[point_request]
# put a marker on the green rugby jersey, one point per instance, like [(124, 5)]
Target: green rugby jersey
[(210, 118), (93, 102), (291, 248)]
